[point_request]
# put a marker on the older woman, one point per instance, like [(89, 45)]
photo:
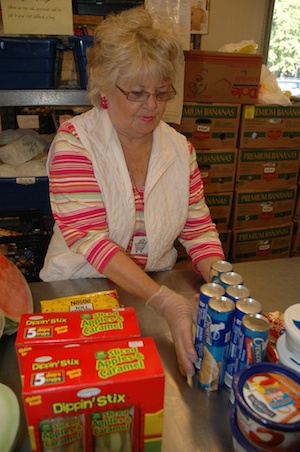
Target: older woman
[(123, 184)]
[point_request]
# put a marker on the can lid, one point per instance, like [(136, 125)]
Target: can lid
[(222, 266), (221, 304), (256, 322), (231, 278), (212, 289), (249, 305), (238, 290)]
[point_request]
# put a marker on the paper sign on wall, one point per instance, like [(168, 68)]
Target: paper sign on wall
[(37, 17)]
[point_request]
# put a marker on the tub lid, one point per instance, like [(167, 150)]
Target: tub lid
[(292, 321), (270, 394), (286, 357)]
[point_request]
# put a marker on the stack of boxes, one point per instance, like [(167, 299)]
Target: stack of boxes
[(266, 182), (248, 155), (90, 381), (215, 86)]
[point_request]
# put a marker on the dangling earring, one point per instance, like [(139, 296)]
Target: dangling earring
[(104, 103)]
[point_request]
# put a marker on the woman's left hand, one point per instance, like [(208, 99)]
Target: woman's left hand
[(181, 316)]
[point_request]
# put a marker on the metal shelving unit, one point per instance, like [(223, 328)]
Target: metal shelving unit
[(43, 97)]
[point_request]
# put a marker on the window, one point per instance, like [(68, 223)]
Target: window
[(283, 58)]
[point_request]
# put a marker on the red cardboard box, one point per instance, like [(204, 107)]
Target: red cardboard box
[(79, 326), (221, 77), (93, 395)]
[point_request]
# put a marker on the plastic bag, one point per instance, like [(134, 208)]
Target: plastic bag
[(269, 91), (246, 46), (22, 149)]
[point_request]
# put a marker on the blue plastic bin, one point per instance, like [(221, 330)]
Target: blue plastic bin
[(33, 63), (79, 44), (25, 193)]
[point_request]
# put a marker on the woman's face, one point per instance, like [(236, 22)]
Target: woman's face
[(136, 119)]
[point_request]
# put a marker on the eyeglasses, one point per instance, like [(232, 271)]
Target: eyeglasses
[(143, 96)]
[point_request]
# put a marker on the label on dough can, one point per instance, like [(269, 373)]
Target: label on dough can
[(216, 345), (253, 340), (207, 291)]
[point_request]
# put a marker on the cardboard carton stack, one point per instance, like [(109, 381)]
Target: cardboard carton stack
[(89, 381), (216, 84), (266, 182), (248, 155)]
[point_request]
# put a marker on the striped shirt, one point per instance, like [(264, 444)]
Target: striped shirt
[(80, 213)]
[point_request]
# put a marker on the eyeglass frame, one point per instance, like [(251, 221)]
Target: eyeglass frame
[(127, 93)]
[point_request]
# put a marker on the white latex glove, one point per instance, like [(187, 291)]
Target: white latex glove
[(181, 316)]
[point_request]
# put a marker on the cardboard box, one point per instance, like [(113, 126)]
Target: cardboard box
[(218, 168), (267, 168), (46, 329), (225, 237), (261, 243), (261, 208), (82, 396), (296, 241), (220, 208), (221, 77), (210, 126), (104, 299), (270, 126), (297, 207)]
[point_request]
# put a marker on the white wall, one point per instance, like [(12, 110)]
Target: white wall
[(232, 21)]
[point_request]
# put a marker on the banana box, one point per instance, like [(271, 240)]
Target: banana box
[(80, 326), (96, 396), (270, 126), (217, 168)]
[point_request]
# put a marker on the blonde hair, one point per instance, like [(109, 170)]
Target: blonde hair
[(132, 44)]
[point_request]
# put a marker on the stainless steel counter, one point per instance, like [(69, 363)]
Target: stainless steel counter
[(193, 420)]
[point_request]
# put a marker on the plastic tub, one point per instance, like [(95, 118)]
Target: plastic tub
[(240, 443), (267, 399), (286, 357), (291, 320)]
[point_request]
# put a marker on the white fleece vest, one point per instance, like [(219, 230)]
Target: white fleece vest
[(166, 196)]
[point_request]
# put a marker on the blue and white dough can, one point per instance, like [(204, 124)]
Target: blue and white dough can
[(243, 307), (216, 344), (253, 340), (207, 291)]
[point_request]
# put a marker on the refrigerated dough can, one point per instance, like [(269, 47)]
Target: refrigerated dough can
[(243, 307), (219, 267), (237, 292), (230, 279), (207, 291), (216, 344), (253, 340)]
